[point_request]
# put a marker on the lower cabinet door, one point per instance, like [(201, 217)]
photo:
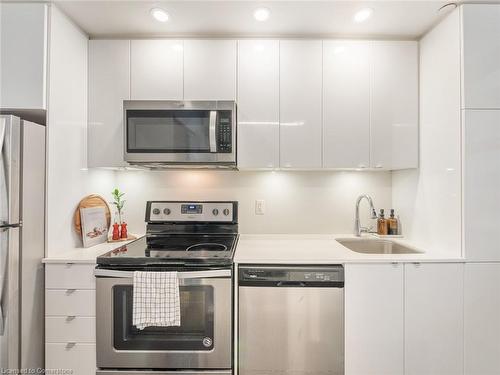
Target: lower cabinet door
[(374, 339), (482, 318), (434, 319), (71, 358)]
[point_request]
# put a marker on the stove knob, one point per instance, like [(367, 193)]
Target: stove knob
[(166, 211), (215, 211), (226, 211), (156, 211)]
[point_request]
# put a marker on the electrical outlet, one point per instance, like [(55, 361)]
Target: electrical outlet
[(260, 207)]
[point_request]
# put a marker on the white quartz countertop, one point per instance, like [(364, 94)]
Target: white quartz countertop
[(278, 249), (318, 249), (85, 255)]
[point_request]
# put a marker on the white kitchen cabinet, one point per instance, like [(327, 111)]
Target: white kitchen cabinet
[(70, 329), (300, 104), (481, 56), (394, 105), (70, 340), (156, 69), (258, 104), (210, 69), (346, 104), (109, 86), (70, 302), (23, 55), (481, 162), (78, 358), (482, 318), (69, 276), (374, 339), (434, 305)]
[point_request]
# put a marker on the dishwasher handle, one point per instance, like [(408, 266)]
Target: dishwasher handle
[(291, 283)]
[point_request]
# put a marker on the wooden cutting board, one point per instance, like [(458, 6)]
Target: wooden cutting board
[(92, 200)]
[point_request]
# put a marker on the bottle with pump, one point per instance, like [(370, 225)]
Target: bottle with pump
[(392, 224), (382, 224)]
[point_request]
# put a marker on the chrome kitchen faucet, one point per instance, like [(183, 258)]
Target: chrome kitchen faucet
[(358, 229)]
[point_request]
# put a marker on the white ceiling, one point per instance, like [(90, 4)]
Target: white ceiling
[(401, 19)]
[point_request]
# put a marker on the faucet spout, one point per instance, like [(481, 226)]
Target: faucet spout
[(358, 229)]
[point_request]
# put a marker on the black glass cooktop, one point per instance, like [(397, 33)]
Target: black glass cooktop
[(174, 249)]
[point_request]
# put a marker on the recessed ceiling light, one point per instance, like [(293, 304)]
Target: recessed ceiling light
[(363, 14), (159, 14), (261, 14)]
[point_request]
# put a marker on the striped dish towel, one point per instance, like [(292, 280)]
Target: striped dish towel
[(156, 301)]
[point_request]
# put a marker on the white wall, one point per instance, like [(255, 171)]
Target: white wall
[(67, 178), (296, 202), (429, 198)]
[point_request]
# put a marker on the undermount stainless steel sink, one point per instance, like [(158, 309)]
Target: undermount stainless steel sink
[(375, 246)]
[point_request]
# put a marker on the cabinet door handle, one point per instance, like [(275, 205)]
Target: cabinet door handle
[(69, 318), (70, 345), (70, 291)]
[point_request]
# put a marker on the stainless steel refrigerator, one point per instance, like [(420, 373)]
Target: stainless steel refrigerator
[(22, 243)]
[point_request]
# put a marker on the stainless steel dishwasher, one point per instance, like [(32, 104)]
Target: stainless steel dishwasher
[(291, 320)]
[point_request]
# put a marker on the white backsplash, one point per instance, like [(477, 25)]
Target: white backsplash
[(295, 202)]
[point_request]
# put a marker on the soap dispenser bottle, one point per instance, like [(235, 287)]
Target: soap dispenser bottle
[(392, 224), (382, 224)]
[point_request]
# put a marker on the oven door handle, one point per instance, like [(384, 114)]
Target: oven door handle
[(180, 275), (212, 133)]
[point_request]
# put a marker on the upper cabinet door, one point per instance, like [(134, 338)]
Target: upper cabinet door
[(394, 105), (109, 86), (258, 104), (481, 163), (210, 69), (300, 104), (156, 69), (434, 319), (23, 55), (481, 56), (346, 104)]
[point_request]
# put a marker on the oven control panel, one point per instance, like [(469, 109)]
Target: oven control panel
[(167, 211)]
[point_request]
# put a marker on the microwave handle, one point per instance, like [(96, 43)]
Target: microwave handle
[(180, 275), (212, 134)]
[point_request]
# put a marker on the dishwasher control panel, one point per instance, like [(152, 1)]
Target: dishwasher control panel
[(291, 276)]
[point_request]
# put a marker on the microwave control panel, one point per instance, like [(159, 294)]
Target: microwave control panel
[(224, 132)]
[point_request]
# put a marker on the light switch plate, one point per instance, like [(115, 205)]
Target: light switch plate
[(260, 207)]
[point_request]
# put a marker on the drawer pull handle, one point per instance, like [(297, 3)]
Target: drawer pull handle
[(69, 265), (70, 291), (69, 318), (70, 345)]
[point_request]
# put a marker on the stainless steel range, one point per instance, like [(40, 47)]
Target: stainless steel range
[(197, 239)]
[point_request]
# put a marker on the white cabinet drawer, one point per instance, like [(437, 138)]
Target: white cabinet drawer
[(70, 302), (69, 276), (79, 358), (70, 329)]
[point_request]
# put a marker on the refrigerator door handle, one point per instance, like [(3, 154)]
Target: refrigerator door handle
[(10, 159), (4, 225)]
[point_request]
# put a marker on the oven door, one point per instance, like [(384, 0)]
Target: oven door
[(203, 341), (179, 132)]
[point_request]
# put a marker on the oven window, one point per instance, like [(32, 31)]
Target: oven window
[(195, 333), (168, 131)]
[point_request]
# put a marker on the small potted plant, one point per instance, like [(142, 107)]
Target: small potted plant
[(118, 202)]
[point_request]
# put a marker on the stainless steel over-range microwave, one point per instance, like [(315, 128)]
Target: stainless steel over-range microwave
[(180, 133)]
